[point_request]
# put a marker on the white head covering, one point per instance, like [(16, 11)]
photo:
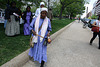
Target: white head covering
[(44, 9), (42, 3)]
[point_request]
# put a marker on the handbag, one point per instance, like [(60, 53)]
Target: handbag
[(31, 43), (47, 41), (95, 29)]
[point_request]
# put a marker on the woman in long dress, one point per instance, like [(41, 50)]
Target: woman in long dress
[(12, 26), (27, 20), (39, 51)]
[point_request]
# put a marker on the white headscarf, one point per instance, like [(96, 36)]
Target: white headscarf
[(44, 9), (42, 3)]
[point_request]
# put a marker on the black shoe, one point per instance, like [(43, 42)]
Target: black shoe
[(98, 47), (90, 43), (42, 64)]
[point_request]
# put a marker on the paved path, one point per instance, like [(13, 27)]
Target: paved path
[(72, 49)]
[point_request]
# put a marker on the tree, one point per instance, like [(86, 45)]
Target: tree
[(3, 3), (75, 9), (66, 3), (55, 9), (19, 3)]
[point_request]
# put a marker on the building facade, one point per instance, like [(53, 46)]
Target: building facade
[(94, 8), (97, 9)]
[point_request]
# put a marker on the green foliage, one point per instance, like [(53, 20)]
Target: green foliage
[(75, 8), (3, 3), (89, 17), (20, 3), (79, 16), (94, 17), (33, 9), (72, 7), (56, 9)]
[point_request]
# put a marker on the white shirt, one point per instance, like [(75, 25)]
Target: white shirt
[(98, 22), (37, 12)]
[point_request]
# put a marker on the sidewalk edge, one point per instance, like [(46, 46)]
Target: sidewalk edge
[(22, 58)]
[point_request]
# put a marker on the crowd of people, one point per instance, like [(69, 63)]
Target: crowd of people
[(14, 14), (39, 25)]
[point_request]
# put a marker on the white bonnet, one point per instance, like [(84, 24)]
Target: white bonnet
[(44, 9), (42, 3)]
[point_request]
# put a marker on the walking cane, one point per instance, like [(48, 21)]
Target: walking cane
[(48, 39), (40, 36)]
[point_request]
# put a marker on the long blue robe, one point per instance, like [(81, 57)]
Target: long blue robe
[(39, 51), (27, 24)]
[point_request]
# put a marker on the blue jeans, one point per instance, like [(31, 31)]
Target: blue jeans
[(5, 22)]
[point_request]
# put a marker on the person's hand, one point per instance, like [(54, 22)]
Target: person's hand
[(34, 33), (9, 20), (96, 26), (48, 34), (49, 40)]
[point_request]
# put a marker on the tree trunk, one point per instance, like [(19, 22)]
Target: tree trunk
[(48, 4), (71, 16), (60, 17), (8, 2)]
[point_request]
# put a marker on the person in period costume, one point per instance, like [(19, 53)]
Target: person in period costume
[(42, 4), (12, 26), (27, 17), (96, 24), (38, 52)]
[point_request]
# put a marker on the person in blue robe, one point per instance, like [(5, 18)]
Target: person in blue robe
[(39, 51)]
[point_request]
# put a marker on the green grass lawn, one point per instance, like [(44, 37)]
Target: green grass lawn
[(13, 46)]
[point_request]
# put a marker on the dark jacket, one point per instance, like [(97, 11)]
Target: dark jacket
[(10, 12)]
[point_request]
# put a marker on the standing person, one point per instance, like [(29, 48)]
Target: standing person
[(27, 17), (12, 26), (79, 19), (96, 24), (50, 15), (5, 17), (20, 15), (39, 51), (5, 22), (42, 4)]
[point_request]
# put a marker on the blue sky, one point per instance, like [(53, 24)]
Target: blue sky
[(90, 7)]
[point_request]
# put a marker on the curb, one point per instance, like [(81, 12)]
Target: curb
[(22, 58)]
